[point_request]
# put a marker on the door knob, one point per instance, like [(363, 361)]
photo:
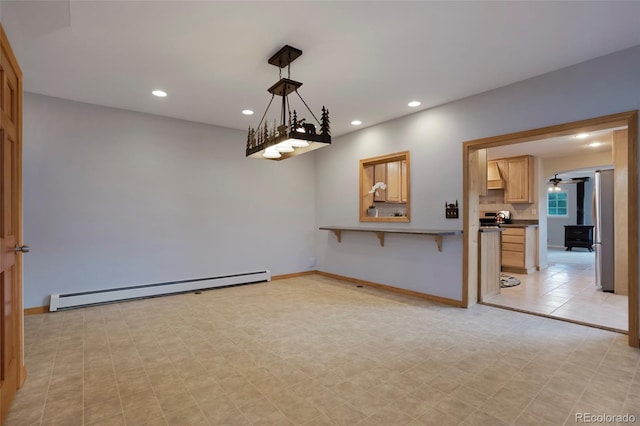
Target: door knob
[(23, 249)]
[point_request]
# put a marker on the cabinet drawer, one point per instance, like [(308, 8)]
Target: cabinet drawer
[(513, 258), (513, 231), (513, 246), (513, 239)]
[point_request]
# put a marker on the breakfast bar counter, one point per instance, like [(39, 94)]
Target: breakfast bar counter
[(437, 234)]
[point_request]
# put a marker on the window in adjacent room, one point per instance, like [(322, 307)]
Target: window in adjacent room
[(557, 204)]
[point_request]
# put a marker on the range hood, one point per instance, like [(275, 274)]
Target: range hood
[(494, 179)]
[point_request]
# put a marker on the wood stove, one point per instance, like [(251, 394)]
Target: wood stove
[(578, 236)]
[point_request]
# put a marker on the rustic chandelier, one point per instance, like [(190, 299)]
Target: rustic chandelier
[(294, 135)]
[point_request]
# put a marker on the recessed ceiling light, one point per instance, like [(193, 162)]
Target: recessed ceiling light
[(159, 93), (247, 112), (356, 122), (582, 135), (595, 144), (414, 104)]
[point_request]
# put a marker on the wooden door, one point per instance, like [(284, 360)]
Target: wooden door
[(12, 372)]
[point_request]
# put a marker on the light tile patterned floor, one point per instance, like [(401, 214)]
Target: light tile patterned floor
[(316, 351), (566, 290)]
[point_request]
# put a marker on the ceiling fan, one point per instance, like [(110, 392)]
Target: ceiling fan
[(555, 181)]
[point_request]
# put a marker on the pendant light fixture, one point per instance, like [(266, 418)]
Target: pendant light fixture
[(294, 135)]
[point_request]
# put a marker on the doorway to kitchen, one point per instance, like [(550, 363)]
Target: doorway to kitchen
[(566, 290), (578, 283), (624, 159)]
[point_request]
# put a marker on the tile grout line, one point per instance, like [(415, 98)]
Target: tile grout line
[(567, 419), (535, 396), (190, 391), (51, 373), (635, 376), (124, 418), (113, 367)]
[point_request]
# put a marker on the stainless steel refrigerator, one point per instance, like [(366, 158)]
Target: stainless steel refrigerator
[(603, 233)]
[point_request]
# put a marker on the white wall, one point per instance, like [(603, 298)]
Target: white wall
[(116, 198), (435, 178), (562, 165), (606, 85), (555, 225)]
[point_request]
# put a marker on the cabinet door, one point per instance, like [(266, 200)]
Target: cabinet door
[(367, 182), (514, 259), (519, 180), (494, 179), (394, 180), (403, 181), (380, 175)]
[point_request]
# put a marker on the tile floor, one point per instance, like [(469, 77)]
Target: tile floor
[(566, 290), (316, 351)]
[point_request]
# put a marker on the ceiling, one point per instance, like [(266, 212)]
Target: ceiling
[(559, 146), (363, 60)]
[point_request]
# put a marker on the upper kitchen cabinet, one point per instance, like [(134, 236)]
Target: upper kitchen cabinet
[(519, 188), (494, 177), (394, 182), (384, 188), (392, 175), (403, 181), (380, 175)]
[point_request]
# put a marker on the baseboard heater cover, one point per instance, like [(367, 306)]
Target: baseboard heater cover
[(74, 300)]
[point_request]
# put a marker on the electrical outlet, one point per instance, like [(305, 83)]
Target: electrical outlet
[(534, 211)]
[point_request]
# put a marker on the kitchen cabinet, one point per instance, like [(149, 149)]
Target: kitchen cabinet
[(394, 182), (393, 170), (403, 181), (380, 175), (494, 177), (519, 249), (393, 174), (519, 188), (489, 264)]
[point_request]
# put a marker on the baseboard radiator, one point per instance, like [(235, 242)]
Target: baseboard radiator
[(75, 300)]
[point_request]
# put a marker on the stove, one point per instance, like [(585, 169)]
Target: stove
[(495, 218)]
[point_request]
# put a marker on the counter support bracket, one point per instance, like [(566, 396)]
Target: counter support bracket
[(437, 235), (438, 239)]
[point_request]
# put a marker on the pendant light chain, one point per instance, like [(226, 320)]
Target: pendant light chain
[(265, 111)]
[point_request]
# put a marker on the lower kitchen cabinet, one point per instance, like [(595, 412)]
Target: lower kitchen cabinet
[(489, 263), (519, 249)]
